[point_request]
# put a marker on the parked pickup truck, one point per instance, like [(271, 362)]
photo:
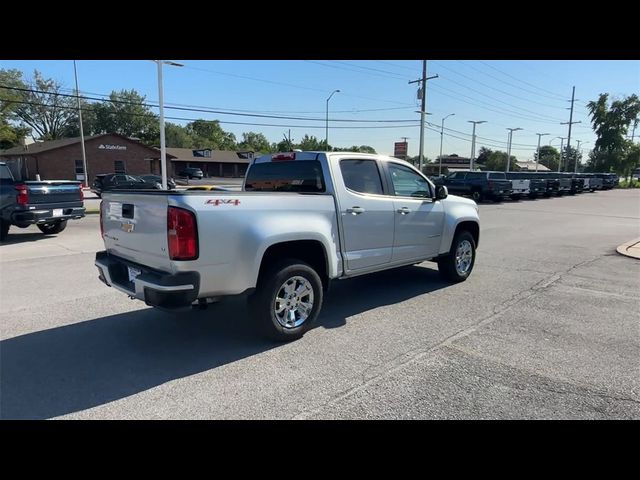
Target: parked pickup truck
[(47, 204), (478, 185), (524, 184), (302, 220)]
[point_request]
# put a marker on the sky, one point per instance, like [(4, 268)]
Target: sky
[(376, 105)]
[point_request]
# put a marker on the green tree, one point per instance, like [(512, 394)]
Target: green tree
[(255, 141), (497, 160), (483, 155), (125, 113), (45, 108), (366, 149), (549, 157), (177, 136), (10, 133), (310, 143), (610, 122), (209, 134)]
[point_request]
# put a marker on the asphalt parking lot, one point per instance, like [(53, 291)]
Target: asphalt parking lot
[(547, 326)]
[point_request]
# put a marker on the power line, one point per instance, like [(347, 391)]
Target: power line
[(557, 95)]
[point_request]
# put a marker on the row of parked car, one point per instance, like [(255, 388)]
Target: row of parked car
[(499, 185)]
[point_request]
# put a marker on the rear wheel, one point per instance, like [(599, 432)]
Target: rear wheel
[(477, 196), (458, 264), (4, 230), (288, 299), (53, 228)]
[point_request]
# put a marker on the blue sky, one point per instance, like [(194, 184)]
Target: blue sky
[(532, 95)]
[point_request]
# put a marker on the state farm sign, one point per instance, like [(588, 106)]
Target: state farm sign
[(110, 146)]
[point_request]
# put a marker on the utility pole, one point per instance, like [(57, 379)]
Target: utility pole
[(570, 122), (473, 141), (511, 130), (423, 109), (84, 153), (441, 135), (560, 162), (540, 135)]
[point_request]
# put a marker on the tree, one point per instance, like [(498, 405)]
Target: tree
[(125, 113), (10, 134), (177, 136), (310, 143), (497, 160), (45, 108), (611, 123), (255, 141), (483, 155), (549, 157), (209, 134)]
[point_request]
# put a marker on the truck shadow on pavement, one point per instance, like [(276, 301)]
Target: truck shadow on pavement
[(72, 368), (25, 237)]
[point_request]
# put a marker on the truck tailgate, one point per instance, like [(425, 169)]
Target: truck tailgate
[(135, 228)]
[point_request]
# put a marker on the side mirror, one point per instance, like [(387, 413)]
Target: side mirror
[(441, 192)]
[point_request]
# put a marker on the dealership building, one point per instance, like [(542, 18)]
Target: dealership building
[(114, 153)]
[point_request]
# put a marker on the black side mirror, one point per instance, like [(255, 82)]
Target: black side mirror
[(441, 192)]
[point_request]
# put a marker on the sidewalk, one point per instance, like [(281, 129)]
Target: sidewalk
[(630, 249)]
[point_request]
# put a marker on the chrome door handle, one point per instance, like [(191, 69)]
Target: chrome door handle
[(355, 210), (403, 210)]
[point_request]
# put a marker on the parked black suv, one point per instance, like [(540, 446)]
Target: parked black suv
[(478, 185), (191, 172), (119, 181)]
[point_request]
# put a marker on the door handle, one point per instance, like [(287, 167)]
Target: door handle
[(403, 210), (355, 210)]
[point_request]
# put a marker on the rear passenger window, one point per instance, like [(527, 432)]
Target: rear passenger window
[(361, 176)]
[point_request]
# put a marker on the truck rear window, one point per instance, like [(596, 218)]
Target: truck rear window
[(497, 176), (292, 176)]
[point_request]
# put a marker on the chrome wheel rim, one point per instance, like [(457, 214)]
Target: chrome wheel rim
[(294, 302), (464, 257)]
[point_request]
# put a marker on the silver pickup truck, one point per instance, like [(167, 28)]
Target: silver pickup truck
[(302, 220)]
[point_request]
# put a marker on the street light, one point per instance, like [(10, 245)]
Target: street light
[(562, 139), (163, 147), (441, 134), (540, 135), (575, 170), (473, 141), (511, 130), (326, 135)]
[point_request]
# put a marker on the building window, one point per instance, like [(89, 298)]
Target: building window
[(79, 167), (119, 166)]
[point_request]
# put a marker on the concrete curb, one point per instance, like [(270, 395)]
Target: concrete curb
[(630, 249)]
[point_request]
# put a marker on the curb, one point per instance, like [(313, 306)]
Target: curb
[(630, 249)]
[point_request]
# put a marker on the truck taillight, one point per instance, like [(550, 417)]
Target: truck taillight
[(182, 234), (101, 217), (81, 193), (23, 194)]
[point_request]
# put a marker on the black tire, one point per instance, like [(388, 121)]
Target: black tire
[(447, 264), (4, 230), (53, 228), (477, 196), (262, 303)]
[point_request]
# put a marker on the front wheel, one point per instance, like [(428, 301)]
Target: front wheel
[(458, 264), (288, 299), (53, 228)]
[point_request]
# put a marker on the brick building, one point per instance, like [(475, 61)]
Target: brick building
[(213, 163), (62, 159)]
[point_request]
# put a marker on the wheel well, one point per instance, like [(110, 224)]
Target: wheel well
[(472, 227), (309, 251)]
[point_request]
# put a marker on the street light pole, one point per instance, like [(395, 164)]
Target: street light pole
[(84, 153), (441, 135), (326, 134), (540, 135), (575, 170), (473, 141), (511, 130), (561, 147), (163, 147)]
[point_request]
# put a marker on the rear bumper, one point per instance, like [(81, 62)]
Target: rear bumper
[(155, 288), (46, 215)]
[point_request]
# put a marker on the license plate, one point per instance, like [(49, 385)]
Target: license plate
[(133, 273), (57, 212)]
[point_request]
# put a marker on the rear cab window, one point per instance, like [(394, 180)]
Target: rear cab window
[(303, 176), (497, 176)]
